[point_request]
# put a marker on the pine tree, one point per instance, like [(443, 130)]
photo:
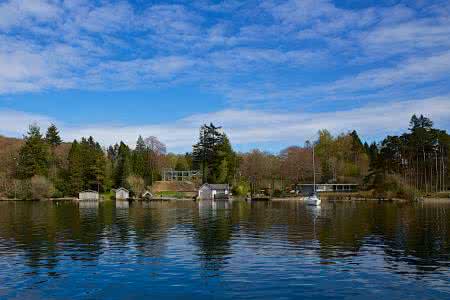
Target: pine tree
[(123, 166), (204, 151), (52, 136), (34, 155), (138, 158), (75, 169)]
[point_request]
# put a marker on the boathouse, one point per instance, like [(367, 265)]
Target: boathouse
[(122, 194), (214, 191), (88, 195), (327, 187)]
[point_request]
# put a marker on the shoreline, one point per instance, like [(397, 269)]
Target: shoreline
[(324, 198)]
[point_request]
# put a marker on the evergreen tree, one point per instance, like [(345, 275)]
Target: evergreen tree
[(123, 165), (214, 155), (205, 150), (34, 155), (138, 158), (53, 140), (52, 136), (224, 164), (75, 170)]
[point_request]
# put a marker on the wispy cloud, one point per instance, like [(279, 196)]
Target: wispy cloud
[(256, 54), (246, 127)]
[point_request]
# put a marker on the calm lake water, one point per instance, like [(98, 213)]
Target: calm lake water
[(224, 250)]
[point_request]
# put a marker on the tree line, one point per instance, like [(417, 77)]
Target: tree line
[(44, 166)]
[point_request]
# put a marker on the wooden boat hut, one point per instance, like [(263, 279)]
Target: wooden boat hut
[(122, 194), (88, 195), (214, 191)]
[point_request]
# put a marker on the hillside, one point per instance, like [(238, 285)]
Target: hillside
[(9, 151), (173, 186)]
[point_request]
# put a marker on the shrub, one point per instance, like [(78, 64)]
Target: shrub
[(241, 189), (393, 186), (137, 185), (41, 187), (21, 189)]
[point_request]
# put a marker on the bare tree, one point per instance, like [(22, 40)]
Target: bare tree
[(157, 151)]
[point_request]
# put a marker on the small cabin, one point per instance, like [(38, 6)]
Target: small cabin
[(88, 195), (214, 191), (122, 194)]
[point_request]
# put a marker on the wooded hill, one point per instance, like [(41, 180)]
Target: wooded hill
[(41, 165)]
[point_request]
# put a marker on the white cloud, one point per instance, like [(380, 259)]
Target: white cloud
[(257, 55), (415, 70), (16, 123), (16, 12), (246, 127)]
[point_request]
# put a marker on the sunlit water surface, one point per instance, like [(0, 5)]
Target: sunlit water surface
[(224, 250)]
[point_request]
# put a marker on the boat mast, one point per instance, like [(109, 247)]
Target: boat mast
[(314, 171)]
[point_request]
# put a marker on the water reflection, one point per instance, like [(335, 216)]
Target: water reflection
[(122, 204), (215, 238)]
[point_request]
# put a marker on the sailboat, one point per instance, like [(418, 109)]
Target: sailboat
[(313, 199)]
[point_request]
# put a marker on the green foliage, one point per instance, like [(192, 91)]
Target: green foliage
[(420, 156), (214, 155), (388, 186), (52, 136), (75, 172), (341, 158), (34, 155), (123, 165), (87, 166), (242, 188)]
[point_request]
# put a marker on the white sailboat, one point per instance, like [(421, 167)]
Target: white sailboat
[(313, 199)]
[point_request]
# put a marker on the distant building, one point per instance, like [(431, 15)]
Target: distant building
[(327, 187), (122, 194), (214, 191), (88, 195)]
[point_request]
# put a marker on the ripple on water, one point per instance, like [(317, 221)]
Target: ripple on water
[(282, 250)]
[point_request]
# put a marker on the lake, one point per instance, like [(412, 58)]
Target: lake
[(224, 250)]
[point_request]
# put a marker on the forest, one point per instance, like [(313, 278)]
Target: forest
[(41, 165)]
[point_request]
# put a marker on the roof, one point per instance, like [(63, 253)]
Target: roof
[(122, 189), (88, 191), (217, 186)]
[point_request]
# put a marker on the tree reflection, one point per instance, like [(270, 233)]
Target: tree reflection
[(213, 228), (44, 233)]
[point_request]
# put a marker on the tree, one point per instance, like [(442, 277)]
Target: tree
[(205, 153), (123, 165), (296, 164), (34, 155), (75, 171), (41, 187), (136, 185), (139, 158), (155, 156), (52, 136), (419, 157)]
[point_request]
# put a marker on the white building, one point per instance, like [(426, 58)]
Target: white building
[(214, 191), (88, 195), (122, 194)]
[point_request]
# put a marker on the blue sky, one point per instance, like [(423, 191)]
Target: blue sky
[(270, 72)]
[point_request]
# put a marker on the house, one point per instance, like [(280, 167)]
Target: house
[(88, 195), (214, 191), (122, 194)]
